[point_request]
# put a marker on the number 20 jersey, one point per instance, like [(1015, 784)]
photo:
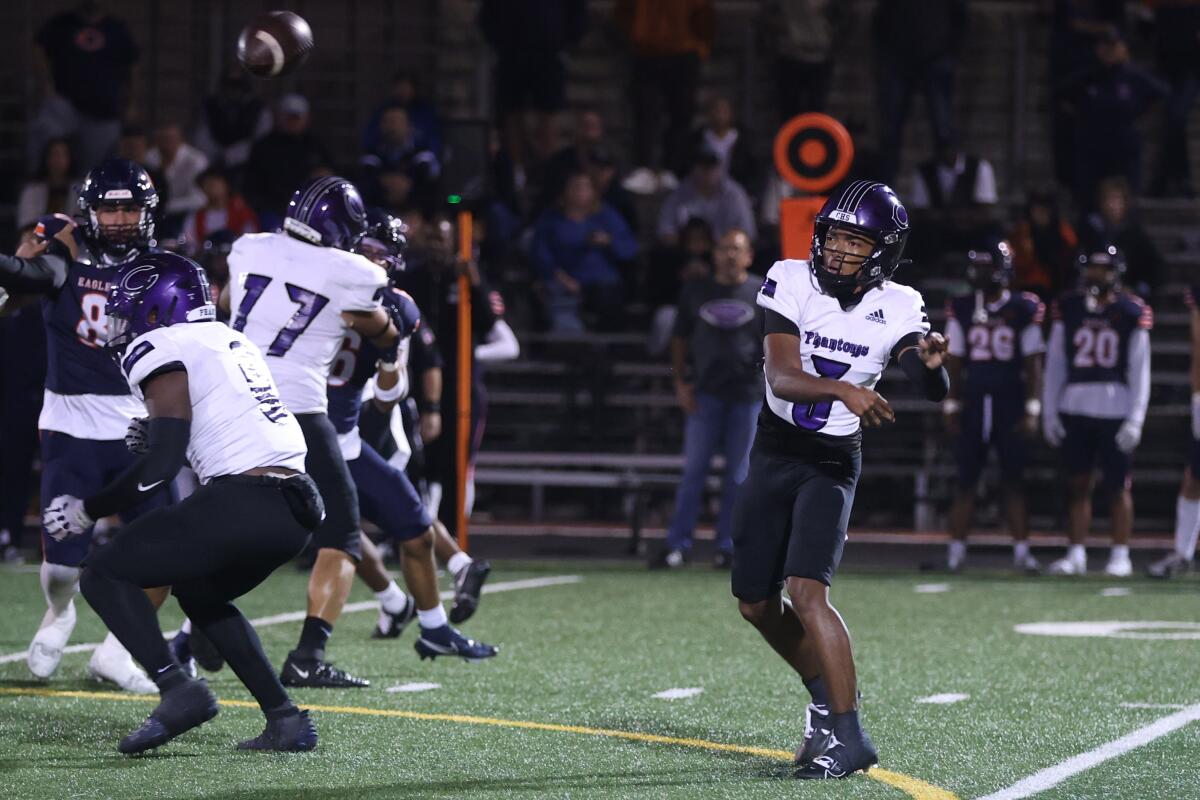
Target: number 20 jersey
[(1097, 339), (853, 345), (288, 296)]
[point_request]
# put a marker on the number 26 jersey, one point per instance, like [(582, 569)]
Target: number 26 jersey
[(288, 296), (852, 345)]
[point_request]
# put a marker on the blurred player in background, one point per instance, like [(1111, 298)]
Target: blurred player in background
[(1187, 506), (832, 325), (1095, 399), (87, 405), (297, 294), (995, 366)]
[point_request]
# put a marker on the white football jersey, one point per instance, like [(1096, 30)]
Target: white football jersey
[(852, 345), (238, 420), (288, 296)]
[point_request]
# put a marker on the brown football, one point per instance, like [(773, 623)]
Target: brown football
[(274, 44)]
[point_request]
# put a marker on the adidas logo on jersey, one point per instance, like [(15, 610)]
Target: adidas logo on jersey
[(877, 316)]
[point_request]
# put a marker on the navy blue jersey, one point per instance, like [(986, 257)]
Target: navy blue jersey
[(994, 342), (76, 362), (353, 367), (1097, 338)]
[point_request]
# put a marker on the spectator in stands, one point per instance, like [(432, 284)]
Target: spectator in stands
[(397, 149), (710, 194), (577, 250), (181, 165), (232, 119), (716, 349), (1044, 246), (1115, 223), (588, 135), (223, 210), (801, 34), (1177, 36), (54, 185), (670, 269), (282, 160), (22, 375), (917, 43), (1074, 27), (720, 135), (669, 39), (953, 198), (601, 167), (529, 38), (134, 145), (1106, 103), (86, 68), (213, 256), (426, 126)]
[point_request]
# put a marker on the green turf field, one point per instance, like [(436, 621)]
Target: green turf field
[(586, 657)]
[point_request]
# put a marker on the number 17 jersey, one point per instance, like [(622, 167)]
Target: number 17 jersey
[(288, 296), (853, 345)]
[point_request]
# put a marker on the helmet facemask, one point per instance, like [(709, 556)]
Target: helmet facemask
[(839, 284)]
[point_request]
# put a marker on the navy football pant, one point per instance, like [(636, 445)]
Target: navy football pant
[(82, 467), (387, 497)]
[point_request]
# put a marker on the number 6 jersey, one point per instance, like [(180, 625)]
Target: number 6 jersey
[(288, 296), (853, 345)]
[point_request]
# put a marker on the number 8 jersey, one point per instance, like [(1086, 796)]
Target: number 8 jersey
[(853, 345), (288, 296)]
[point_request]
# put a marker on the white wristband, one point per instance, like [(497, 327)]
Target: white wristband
[(1033, 407), (389, 366), (951, 406), (389, 395)]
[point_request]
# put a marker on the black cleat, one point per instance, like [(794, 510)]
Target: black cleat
[(468, 585), (446, 641), (840, 760), (723, 559), (291, 734), (390, 626), (817, 735), (308, 673), (185, 707), (205, 653)]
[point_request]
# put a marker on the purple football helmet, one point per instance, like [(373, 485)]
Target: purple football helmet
[(865, 208), (385, 241), (327, 212), (154, 291)]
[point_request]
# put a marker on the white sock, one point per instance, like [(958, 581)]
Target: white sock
[(1077, 553), (956, 551), (59, 585), (460, 561), (1020, 550), (392, 599), (1119, 551), (1187, 526), (433, 618), (186, 627)]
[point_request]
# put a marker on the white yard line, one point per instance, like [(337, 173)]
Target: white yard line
[(1153, 705), (413, 687), (1052, 776), (678, 694), (931, 588), (943, 699), (366, 605)]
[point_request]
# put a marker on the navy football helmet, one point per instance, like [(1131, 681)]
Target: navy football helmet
[(1101, 271), (154, 291), (990, 268), (118, 184), (869, 209), (327, 212), (385, 242)]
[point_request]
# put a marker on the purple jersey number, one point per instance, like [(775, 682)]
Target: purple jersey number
[(814, 416), (310, 304)]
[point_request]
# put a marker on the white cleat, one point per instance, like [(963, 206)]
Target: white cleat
[(1066, 566), (1029, 565), (1118, 567), (111, 663), (46, 649), (1172, 565)]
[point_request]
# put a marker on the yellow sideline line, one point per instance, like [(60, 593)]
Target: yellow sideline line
[(913, 787)]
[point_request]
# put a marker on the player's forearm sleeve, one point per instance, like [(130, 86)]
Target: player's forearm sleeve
[(933, 383), (40, 274), (1056, 371), (1139, 376), (501, 344), (167, 451)]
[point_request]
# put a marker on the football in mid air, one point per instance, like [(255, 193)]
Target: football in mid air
[(274, 44)]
